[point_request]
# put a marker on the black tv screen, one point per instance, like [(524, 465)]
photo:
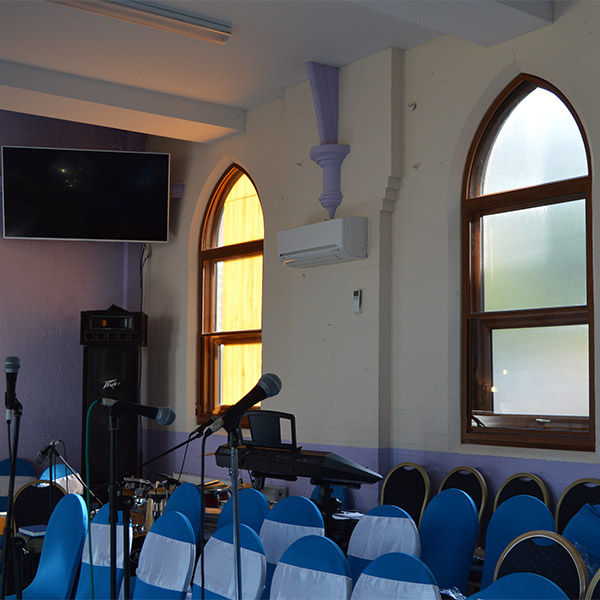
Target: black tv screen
[(66, 194)]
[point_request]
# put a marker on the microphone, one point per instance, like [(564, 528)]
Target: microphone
[(163, 415), (11, 366), (268, 385), (43, 453)]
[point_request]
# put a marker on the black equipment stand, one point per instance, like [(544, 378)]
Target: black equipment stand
[(11, 550), (234, 439), (117, 502)]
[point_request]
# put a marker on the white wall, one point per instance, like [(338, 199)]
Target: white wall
[(388, 378)]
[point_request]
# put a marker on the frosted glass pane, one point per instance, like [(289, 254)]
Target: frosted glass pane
[(541, 370), (241, 219), (238, 294), (535, 258), (539, 142), (239, 369)]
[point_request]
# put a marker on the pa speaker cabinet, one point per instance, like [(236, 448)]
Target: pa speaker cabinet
[(109, 371)]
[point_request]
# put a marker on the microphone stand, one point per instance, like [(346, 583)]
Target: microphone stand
[(234, 437), (10, 545)]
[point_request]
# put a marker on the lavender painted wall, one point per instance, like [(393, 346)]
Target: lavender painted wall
[(44, 285)]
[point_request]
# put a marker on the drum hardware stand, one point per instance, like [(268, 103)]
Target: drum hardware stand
[(52, 453), (12, 548), (117, 501)]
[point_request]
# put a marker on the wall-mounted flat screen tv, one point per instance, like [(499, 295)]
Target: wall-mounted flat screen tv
[(67, 194)]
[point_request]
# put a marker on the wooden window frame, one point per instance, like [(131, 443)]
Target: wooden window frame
[(484, 427), (209, 254)]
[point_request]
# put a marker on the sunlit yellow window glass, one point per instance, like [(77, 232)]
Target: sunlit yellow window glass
[(241, 219), (232, 267)]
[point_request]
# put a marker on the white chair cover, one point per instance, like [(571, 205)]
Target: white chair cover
[(70, 484), (166, 563), (369, 587), (291, 583), (219, 572), (375, 535), (100, 533), (277, 537)]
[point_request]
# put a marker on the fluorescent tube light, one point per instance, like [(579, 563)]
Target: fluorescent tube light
[(154, 16)]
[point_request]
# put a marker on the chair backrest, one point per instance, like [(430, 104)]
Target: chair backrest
[(98, 537), (383, 529), (65, 477), (253, 505), (167, 559), (580, 492), (521, 586), (61, 551), (548, 554), (290, 519), (408, 486), (312, 567), (187, 499), (522, 484), (593, 589), (448, 531), (34, 503), (513, 517), (396, 575), (471, 481), (219, 574), (24, 473)]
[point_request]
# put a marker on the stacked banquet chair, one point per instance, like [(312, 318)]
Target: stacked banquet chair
[(548, 554), (383, 529), (519, 484), (167, 559), (580, 492), (449, 531), (289, 520), (253, 509), (61, 551), (396, 575), (215, 577), (408, 486), (95, 562), (521, 586), (515, 516), (312, 567), (24, 473)]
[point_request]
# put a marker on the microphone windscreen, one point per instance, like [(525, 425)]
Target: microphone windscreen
[(12, 364), (164, 415), (270, 383)]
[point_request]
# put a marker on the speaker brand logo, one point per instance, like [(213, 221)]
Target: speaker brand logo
[(110, 384)]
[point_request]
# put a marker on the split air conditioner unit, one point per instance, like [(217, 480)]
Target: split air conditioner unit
[(325, 243)]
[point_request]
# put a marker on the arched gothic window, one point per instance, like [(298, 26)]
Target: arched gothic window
[(527, 303), (231, 267)]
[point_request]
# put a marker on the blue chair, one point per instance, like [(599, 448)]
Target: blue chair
[(521, 586), (219, 574), (385, 528), (312, 567), (187, 499), (65, 477), (24, 473), (167, 559), (449, 530), (396, 575), (516, 515), (99, 537), (254, 507), (61, 552), (289, 520)]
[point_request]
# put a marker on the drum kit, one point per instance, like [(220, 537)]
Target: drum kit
[(149, 500)]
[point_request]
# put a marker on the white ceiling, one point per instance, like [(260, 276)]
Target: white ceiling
[(64, 63)]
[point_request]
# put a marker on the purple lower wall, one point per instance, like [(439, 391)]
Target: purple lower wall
[(557, 474)]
